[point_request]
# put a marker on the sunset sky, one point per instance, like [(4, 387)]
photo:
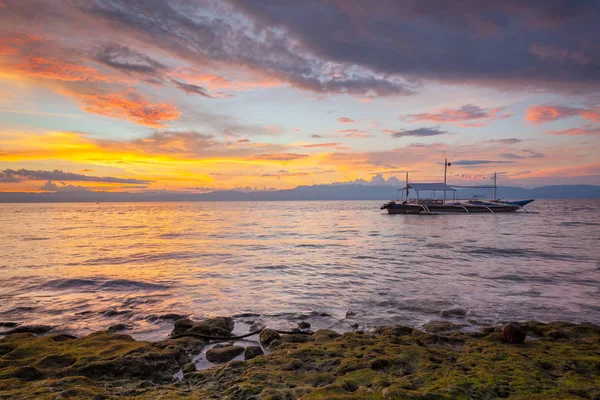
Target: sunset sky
[(209, 95)]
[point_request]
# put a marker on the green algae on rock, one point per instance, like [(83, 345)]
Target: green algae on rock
[(393, 363)]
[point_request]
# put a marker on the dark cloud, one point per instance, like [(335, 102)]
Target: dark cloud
[(127, 60), (479, 162), (524, 154), (420, 132), (374, 48), (58, 175), (191, 33), (506, 141), (50, 186), (508, 43), (7, 177), (191, 89)]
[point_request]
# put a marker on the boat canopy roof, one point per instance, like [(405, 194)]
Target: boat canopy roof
[(430, 186)]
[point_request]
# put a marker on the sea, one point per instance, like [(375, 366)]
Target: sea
[(344, 265)]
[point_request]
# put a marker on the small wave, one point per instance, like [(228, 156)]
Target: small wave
[(32, 238), (578, 223), (94, 284), (516, 252)]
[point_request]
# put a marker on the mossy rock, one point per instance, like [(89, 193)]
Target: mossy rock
[(394, 364)]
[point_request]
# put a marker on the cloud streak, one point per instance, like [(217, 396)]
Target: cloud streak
[(548, 113), (58, 175), (420, 132), (469, 115)]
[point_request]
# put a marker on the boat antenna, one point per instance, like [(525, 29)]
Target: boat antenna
[(406, 199), (446, 165), (495, 187)]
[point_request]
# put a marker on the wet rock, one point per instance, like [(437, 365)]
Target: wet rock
[(35, 329), (118, 327), (514, 332), (9, 324), (223, 354), (324, 335), (303, 325), (350, 313), (213, 327), (453, 312), (189, 367), (267, 336), (252, 352), (181, 326), (172, 316), (112, 312), (257, 326)]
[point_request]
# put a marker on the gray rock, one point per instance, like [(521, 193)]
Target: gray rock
[(172, 316), (257, 326), (267, 336), (252, 352), (214, 327), (223, 354), (303, 325)]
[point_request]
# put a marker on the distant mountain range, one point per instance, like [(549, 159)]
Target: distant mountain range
[(315, 192)]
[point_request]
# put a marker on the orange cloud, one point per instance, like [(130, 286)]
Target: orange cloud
[(279, 157), (584, 130), (458, 116), (39, 67), (546, 113), (355, 134), (132, 107), (345, 120), (11, 43), (239, 81)]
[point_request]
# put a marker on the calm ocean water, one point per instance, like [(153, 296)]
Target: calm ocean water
[(344, 265)]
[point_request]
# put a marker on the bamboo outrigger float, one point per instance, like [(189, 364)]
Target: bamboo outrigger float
[(420, 205)]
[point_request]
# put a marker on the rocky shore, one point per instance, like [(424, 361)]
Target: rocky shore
[(530, 360)]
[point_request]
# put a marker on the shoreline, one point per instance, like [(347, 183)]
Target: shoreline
[(557, 360)]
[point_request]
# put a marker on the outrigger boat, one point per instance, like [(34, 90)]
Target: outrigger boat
[(420, 205)]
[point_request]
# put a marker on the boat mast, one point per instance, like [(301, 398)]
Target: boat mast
[(406, 199), (445, 169), (494, 186)]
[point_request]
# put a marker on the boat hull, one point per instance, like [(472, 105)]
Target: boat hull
[(450, 208)]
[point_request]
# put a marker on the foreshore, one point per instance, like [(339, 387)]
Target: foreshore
[(557, 360)]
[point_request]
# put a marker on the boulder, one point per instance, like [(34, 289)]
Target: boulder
[(223, 354), (182, 325), (252, 352), (514, 332), (118, 327), (303, 325), (35, 329), (267, 336)]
